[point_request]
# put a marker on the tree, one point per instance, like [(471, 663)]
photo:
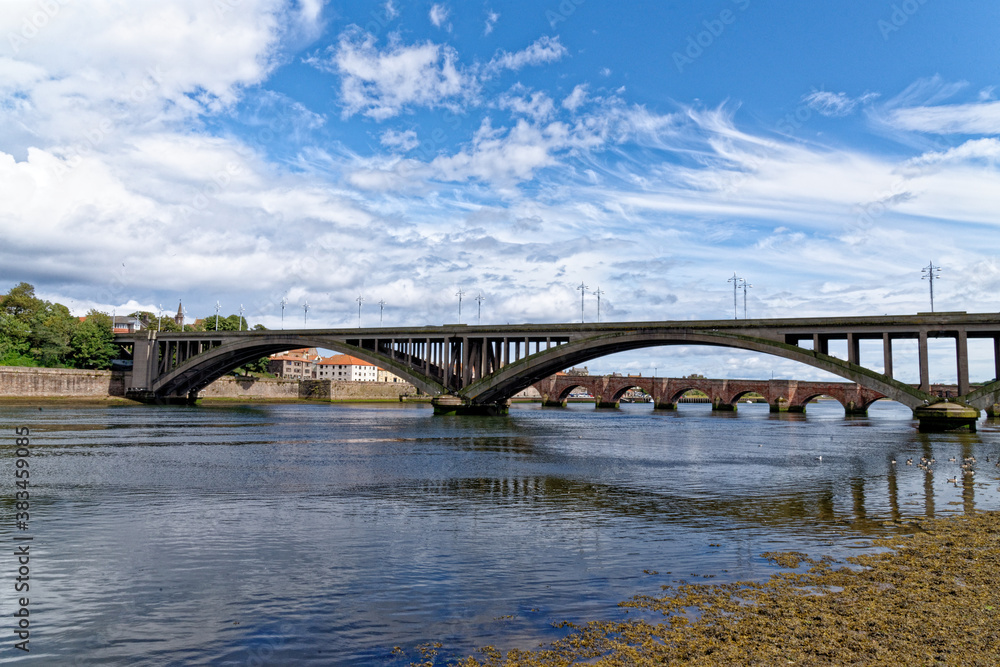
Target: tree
[(51, 332), (22, 303), (230, 323), (93, 343), (14, 341)]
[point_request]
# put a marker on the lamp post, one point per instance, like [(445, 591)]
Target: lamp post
[(381, 308), (460, 293), (583, 290), (241, 317), (360, 300), (479, 301), (735, 280), (305, 313), (745, 285), (218, 307), (930, 273), (284, 302), (598, 292), (159, 319)]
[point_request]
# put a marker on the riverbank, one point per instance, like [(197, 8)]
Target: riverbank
[(930, 599), (26, 385)]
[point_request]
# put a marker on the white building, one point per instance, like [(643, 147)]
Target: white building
[(386, 376), (346, 367)]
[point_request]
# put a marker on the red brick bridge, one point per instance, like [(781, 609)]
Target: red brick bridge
[(781, 395)]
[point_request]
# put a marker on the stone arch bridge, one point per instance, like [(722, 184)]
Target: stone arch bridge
[(780, 395), (476, 369)]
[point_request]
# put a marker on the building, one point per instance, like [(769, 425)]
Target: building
[(347, 368), (299, 364), (386, 376)]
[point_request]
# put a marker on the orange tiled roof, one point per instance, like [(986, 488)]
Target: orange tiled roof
[(344, 360)]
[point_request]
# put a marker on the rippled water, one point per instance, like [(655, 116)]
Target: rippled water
[(329, 534)]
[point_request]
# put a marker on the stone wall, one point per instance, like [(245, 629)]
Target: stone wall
[(252, 388), (21, 382), (339, 390)]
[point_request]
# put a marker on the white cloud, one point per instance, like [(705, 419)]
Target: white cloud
[(491, 20), (535, 105), (835, 104), (543, 50), (403, 141), (974, 118), (575, 98), (390, 9), (438, 14), (382, 84)]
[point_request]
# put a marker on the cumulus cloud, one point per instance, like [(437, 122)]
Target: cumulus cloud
[(543, 50), (403, 141), (384, 83), (575, 98), (534, 104)]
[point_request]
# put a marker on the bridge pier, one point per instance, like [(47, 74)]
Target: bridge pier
[(449, 404), (993, 411), (719, 406), (852, 409), (665, 405), (945, 416), (607, 404), (549, 403)]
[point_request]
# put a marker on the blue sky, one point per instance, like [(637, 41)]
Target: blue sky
[(245, 151)]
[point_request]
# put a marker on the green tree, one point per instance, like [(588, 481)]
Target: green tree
[(22, 303), (51, 332), (230, 323), (14, 344), (92, 343)]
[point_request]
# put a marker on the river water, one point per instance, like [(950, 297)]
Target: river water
[(330, 534)]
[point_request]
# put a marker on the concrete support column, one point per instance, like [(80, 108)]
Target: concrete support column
[(446, 358), (996, 358), (962, 357), (925, 383), (887, 354), (853, 349)]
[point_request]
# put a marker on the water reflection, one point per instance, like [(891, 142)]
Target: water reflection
[(359, 528)]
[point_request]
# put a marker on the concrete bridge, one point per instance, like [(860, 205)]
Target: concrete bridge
[(476, 369), (780, 395)]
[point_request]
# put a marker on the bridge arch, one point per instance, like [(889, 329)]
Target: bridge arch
[(198, 372), (510, 379)]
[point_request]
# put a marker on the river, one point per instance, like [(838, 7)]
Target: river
[(329, 534)]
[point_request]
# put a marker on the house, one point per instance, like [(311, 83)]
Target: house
[(346, 367), (298, 364)]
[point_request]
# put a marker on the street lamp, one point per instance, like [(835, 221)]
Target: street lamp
[(381, 307), (931, 272), (284, 302), (583, 290), (159, 320), (305, 313), (479, 301), (735, 280), (241, 317), (218, 307), (360, 301), (745, 285), (460, 293), (598, 294)]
